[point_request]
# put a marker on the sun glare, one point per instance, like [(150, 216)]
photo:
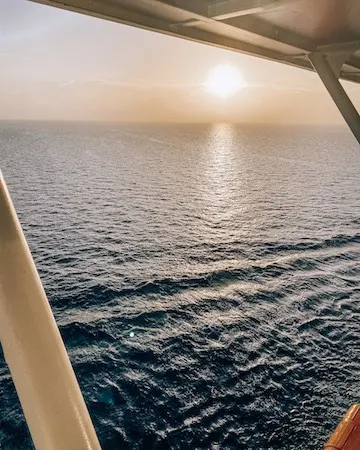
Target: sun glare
[(224, 81)]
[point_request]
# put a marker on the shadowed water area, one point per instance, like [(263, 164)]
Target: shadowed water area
[(205, 279)]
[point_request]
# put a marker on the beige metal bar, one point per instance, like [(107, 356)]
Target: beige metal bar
[(34, 351)]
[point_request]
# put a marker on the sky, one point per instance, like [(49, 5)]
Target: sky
[(58, 65)]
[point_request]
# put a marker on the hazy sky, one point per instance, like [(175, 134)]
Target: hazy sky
[(60, 65)]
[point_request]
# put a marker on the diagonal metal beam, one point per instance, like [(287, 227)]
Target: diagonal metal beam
[(236, 8), (322, 66)]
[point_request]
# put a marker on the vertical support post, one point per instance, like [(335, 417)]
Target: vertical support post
[(323, 68), (34, 351)]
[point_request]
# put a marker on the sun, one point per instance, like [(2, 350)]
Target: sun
[(224, 80)]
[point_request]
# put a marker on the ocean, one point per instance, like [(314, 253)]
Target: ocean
[(205, 278)]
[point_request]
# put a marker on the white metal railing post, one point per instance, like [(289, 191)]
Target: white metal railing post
[(49, 393)]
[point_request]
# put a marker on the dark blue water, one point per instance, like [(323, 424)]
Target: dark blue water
[(205, 279)]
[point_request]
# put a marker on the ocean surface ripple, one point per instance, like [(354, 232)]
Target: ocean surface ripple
[(205, 278)]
